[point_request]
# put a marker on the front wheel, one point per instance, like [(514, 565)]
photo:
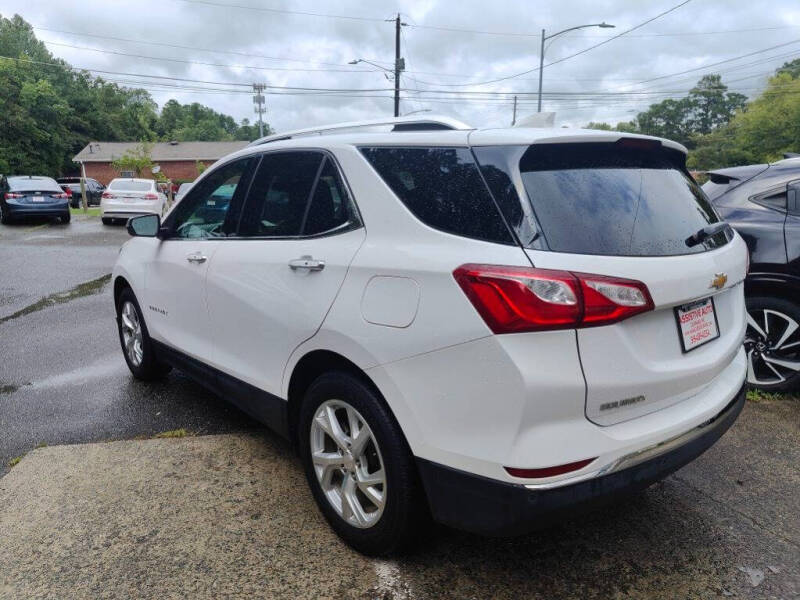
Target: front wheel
[(135, 340), (359, 467), (772, 343)]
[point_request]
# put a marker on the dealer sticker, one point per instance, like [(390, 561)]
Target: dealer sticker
[(697, 323)]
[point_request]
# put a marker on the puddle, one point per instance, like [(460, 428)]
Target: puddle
[(95, 286), (10, 388), (96, 370)]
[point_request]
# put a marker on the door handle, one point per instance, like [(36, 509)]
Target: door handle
[(307, 263), (197, 258)]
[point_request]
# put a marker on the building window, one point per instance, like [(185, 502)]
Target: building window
[(127, 174)]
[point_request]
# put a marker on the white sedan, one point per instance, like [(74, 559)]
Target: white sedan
[(128, 197)]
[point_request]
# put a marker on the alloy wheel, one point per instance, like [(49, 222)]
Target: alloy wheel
[(131, 333), (348, 463), (772, 343)]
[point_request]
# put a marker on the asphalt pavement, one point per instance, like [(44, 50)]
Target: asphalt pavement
[(63, 379), (230, 515)]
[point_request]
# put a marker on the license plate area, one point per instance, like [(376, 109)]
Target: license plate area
[(697, 323)]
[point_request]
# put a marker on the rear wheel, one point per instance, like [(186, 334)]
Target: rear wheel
[(5, 218), (107, 221), (66, 217), (359, 467), (772, 343), (136, 344)]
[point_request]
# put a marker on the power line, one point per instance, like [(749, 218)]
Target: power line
[(555, 62), (282, 11)]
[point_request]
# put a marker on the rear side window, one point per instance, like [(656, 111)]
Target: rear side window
[(443, 189), (612, 199)]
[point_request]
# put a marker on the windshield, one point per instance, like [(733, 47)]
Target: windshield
[(131, 186), (610, 199)]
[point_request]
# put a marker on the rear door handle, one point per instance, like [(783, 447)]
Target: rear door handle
[(307, 263), (197, 258)]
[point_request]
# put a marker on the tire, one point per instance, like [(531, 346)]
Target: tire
[(396, 525), (776, 339), (5, 218), (140, 355), (66, 218), (106, 220)]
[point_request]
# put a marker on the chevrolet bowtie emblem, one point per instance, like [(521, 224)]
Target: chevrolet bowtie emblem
[(719, 281)]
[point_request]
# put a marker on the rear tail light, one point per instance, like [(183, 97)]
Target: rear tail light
[(151, 196), (60, 196), (108, 195), (68, 192), (12, 195), (548, 471), (516, 299)]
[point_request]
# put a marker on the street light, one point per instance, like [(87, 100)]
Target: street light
[(603, 25)]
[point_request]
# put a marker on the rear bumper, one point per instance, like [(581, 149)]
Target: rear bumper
[(491, 507), (37, 210)]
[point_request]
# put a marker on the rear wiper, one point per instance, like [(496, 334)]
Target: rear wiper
[(706, 232)]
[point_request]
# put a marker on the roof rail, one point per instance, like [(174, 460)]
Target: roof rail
[(429, 123)]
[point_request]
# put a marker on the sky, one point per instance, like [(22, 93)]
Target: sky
[(212, 51)]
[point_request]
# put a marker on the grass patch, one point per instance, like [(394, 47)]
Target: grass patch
[(754, 395), (15, 461), (173, 433), (93, 211), (87, 288), (41, 445)]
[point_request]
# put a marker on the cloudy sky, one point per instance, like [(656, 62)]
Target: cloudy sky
[(210, 51)]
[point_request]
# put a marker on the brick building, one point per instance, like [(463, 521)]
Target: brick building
[(178, 160)]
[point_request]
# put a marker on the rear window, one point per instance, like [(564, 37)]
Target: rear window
[(32, 184), (442, 188), (609, 199), (131, 186)]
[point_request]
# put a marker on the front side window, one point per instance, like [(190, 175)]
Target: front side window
[(209, 209), (442, 188), (278, 199)]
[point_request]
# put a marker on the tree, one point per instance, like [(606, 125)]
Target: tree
[(792, 68), (711, 105), (136, 160), (199, 167)]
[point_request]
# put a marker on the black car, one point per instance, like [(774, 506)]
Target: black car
[(94, 190), (762, 202), (32, 196)]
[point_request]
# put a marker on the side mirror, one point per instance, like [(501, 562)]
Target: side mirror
[(793, 197), (144, 226)]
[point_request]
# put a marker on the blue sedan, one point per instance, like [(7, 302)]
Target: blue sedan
[(32, 196)]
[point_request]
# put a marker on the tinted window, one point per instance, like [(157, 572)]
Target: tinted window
[(774, 198), (279, 195), (615, 200), (42, 184), (329, 206), (442, 188), (206, 211), (122, 185)]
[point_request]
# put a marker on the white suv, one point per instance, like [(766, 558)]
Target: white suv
[(130, 197), (483, 326)]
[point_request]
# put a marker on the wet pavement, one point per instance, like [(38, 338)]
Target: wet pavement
[(62, 375), (230, 515)]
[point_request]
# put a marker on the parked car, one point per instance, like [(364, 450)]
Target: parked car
[(126, 197), (486, 326), (182, 189), (32, 196), (762, 202), (72, 185)]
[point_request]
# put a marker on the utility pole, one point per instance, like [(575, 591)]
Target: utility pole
[(398, 65), (260, 105), (514, 116)]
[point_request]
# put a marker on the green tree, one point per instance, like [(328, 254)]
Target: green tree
[(711, 105), (792, 68), (138, 160)]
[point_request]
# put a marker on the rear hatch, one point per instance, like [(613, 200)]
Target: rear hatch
[(133, 193), (625, 210)]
